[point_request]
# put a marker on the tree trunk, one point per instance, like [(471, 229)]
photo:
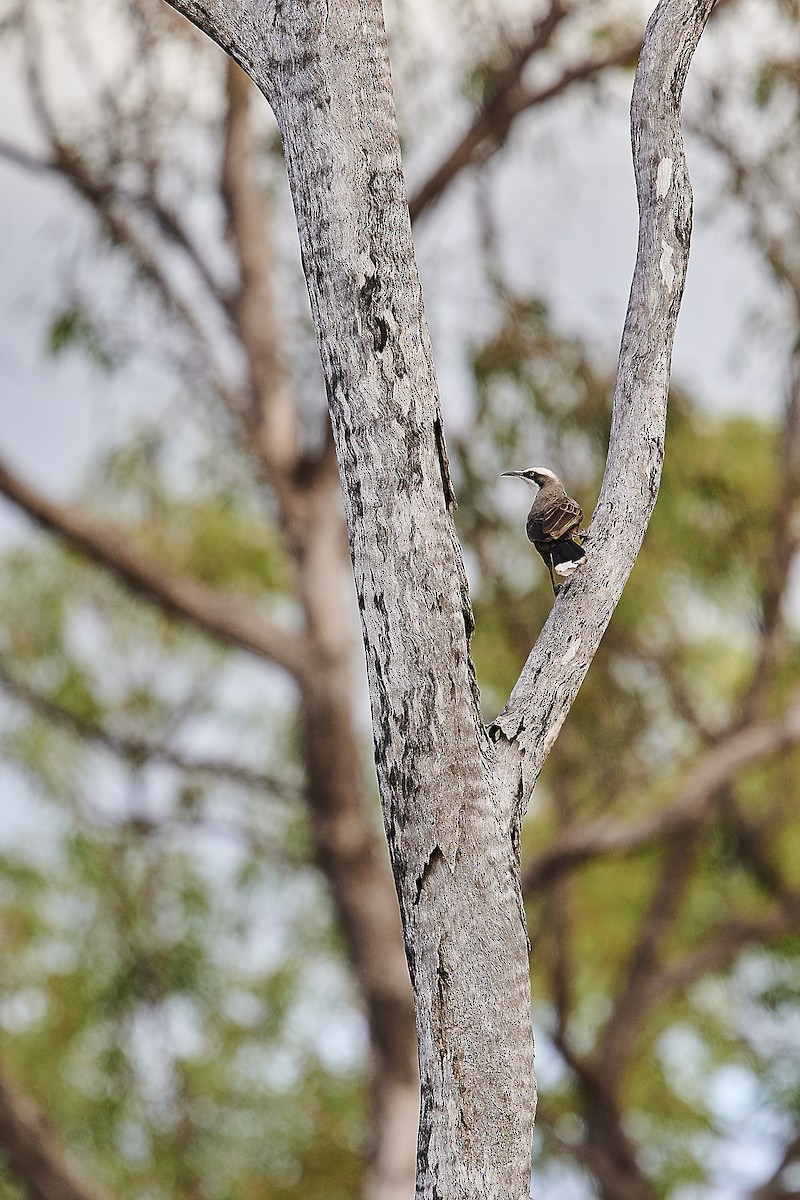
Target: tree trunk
[(453, 796)]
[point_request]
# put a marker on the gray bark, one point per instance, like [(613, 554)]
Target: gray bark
[(452, 795)]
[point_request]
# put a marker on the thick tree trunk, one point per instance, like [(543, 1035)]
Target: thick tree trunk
[(452, 796)]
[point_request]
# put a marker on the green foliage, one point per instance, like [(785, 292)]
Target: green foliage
[(219, 545), (139, 1010), (73, 329), (172, 968)]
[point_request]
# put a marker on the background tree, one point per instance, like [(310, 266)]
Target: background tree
[(75, 648)]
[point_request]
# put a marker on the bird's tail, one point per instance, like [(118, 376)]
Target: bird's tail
[(565, 557)]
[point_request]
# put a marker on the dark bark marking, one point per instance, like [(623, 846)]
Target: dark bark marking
[(367, 291), (444, 466), (381, 335), (656, 460)]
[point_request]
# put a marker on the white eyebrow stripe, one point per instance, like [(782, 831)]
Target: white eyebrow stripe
[(544, 471)]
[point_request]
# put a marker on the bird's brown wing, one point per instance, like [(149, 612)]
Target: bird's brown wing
[(560, 518)]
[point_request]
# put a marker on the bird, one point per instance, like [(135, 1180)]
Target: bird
[(553, 524)]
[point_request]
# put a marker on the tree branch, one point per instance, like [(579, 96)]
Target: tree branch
[(496, 114), (34, 1155), (528, 725), (325, 70), (106, 195), (21, 157), (137, 751), (719, 952), (231, 618), (508, 100), (614, 1165), (718, 766), (752, 840), (271, 421), (617, 1042), (149, 264)]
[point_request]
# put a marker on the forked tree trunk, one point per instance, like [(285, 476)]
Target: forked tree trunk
[(453, 793)]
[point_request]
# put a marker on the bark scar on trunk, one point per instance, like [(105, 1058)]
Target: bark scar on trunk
[(436, 855)]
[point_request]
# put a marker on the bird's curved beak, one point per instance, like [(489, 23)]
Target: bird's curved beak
[(517, 473)]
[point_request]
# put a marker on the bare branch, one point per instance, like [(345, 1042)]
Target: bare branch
[(170, 224), (493, 121), (21, 157), (33, 1153), (101, 194), (718, 953), (137, 751), (528, 726), (617, 1042), (739, 750), (117, 210), (508, 100), (271, 420), (233, 619), (150, 265)]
